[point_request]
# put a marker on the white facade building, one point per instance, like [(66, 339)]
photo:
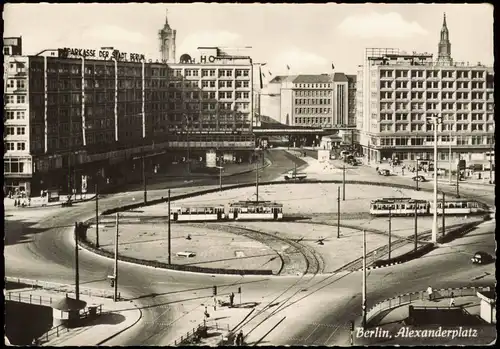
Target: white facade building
[(399, 94)]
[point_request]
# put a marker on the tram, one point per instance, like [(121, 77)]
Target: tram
[(197, 213), (406, 207), (255, 210), (398, 207)]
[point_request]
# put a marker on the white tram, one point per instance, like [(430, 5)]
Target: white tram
[(398, 207), (406, 207), (458, 207), (255, 210), (197, 213)]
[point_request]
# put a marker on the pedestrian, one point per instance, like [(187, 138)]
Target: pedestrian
[(452, 300), (207, 315), (241, 337), (231, 299), (429, 292)]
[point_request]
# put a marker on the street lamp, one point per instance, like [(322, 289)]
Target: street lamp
[(418, 159), (492, 140), (436, 120), (220, 176)]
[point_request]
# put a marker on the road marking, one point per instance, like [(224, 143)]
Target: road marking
[(330, 336)]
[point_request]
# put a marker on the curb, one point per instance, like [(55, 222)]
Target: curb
[(123, 330), (60, 203)]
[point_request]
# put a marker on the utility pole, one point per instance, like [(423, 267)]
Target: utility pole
[(343, 183), (449, 157), (416, 224), (458, 177), (168, 237), (363, 306), (416, 181), (436, 120), (491, 160), (257, 181), (77, 272), (338, 212), (144, 179), (115, 296), (97, 213), (390, 230), (443, 218)]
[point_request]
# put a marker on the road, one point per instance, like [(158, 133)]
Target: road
[(49, 247), (163, 294)]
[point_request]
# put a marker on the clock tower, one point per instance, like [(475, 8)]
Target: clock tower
[(444, 47), (167, 42)]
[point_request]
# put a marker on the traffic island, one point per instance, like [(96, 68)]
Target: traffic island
[(192, 248)]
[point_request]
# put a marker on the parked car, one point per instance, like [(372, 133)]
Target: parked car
[(419, 178), (384, 172), (481, 257)]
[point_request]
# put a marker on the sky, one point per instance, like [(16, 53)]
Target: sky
[(309, 38)]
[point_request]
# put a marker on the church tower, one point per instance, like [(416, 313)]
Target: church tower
[(167, 42), (444, 47)]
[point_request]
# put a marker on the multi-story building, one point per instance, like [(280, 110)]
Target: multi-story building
[(400, 94), (17, 159), (308, 100), (87, 111)]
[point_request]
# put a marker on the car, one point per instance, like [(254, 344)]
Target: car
[(187, 254), (384, 172), (481, 257), (419, 178)]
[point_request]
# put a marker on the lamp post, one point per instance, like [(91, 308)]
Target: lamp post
[(436, 120), (491, 158), (449, 157), (220, 177), (416, 180)]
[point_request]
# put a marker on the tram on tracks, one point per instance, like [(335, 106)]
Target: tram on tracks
[(255, 210), (241, 210), (406, 207), (190, 213)]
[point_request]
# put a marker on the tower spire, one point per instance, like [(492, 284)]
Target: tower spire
[(166, 16), (444, 47)]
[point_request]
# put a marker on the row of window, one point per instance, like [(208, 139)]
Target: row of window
[(427, 128), (313, 93), (433, 85), (433, 95), (435, 106), (312, 120), (11, 130), (410, 141), (108, 70), (13, 146), (313, 86), (14, 115), (15, 99), (16, 83), (13, 165), (445, 117), (312, 101), (313, 110), (432, 74)]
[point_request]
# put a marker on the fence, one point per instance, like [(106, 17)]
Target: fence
[(31, 299), (409, 298), (52, 286), (191, 336)]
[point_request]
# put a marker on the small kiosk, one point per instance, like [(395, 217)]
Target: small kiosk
[(66, 311), (488, 310)]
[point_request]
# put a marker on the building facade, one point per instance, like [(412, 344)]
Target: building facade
[(308, 100), (18, 169), (399, 94), (77, 113)]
